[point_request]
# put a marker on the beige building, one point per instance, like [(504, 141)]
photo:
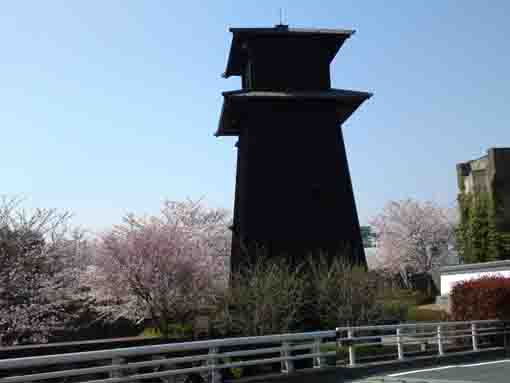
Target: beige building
[(490, 173)]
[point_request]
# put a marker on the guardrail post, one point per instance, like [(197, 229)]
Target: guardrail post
[(352, 351), (474, 336), (400, 346), (440, 349), (117, 373), (212, 361), (318, 361), (287, 365), (506, 333), (168, 379)]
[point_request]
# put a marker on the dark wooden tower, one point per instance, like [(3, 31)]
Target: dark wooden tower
[(293, 189)]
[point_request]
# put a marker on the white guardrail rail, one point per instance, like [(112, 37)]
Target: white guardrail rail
[(208, 359)]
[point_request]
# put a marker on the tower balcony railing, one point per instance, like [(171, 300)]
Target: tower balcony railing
[(209, 360)]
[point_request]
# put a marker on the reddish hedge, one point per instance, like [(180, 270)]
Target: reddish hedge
[(483, 298)]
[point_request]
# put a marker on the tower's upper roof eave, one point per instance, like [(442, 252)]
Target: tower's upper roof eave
[(347, 102), (235, 58), (279, 30)]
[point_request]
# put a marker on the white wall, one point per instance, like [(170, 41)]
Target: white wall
[(448, 280)]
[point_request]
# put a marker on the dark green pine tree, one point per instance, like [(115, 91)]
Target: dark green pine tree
[(493, 236), (478, 228), (462, 231), (478, 238)]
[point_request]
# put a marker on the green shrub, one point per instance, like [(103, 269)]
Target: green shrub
[(347, 295), (274, 296), (265, 298), (237, 372), (394, 311)]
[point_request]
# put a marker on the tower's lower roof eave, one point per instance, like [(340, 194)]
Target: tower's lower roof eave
[(347, 102)]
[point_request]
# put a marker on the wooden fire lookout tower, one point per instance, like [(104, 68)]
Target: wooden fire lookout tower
[(293, 192)]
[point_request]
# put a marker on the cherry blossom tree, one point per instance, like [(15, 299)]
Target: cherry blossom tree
[(165, 268), (413, 236), (40, 264)]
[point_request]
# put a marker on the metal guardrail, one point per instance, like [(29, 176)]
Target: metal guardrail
[(164, 363), (412, 341)]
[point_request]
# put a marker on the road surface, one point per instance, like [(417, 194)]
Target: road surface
[(486, 372)]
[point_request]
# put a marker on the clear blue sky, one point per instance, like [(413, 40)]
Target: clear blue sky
[(110, 106)]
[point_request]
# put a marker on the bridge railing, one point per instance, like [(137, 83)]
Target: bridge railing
[(210, 358), (414, 340), (165, 361)]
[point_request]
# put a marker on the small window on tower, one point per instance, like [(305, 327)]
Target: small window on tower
[(316, 192)]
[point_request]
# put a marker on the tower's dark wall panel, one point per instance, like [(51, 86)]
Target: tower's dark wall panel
[(288, 64), (298, 180)]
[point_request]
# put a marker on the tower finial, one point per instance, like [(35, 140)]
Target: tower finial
[(281, 25)]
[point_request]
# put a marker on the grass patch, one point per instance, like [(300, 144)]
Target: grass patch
[(151, 332)]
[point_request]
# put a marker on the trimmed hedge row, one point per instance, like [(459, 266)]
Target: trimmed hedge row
[(417, 314), (479, 299)]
